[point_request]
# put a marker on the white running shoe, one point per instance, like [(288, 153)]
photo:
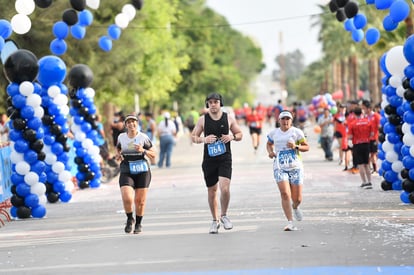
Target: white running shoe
[(298, 214), (214, 227), (290, 227), (226, 222)]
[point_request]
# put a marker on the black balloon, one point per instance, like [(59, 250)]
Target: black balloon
[(56, 129), (52, 197), (43, 3), (398, 129), (47, 120), (386, 186), (408, 185), (406, 83), (70, 17), (80, 76), (409, 95), (78, 160), (17, 201), (77, 103), (41, 156), (23, 212), (340, 15), (83, 167), (21, 66), (62, 138), (19, 124), (411, 197), (333, 7), (29, 135), (351, 9), (341, 3), (78, 5), (381, 138), (389, 109), (137, 3), (394, 119), (84, 184), (404, 173), (37, 146), (12, 112)]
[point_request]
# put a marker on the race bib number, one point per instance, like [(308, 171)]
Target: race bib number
[(253, 124), (216, 149), (287, 159), (138, 167)]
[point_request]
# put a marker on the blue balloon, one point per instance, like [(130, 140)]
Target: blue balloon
[(389, 24), (399, 10), (39, 168), (38, 211), (408, 50), (34, 123), (60, 119), (5, 29), (408, 162), (390, 176), (13, 211), (52, 176), (58, 46), (57, 148), (52, 71), (15, 135), (372, 36), (95, 183), (78, 31), (40, 133), (393, 138), (360, 20), (27, 112), (78, 119), (30, 156), (58, 187), (1, 43), (370, 2), (381, 155), (409, 117), (85, 18), (31, 200), (49, 139), (16, 178), (386, 165), (383, 4), (23, 189), (114, 31), (405, 150), (63, 157), (13, 89), (405, 197), (86, 127), (43, 176), (21, 145), (395, 100), (388, 128), (397, 185), (60, 30), (105, 43), (357, 35), (19, 101), (65, 196), (397, 146)]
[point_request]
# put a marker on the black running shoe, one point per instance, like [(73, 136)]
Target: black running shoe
[(128, 226), (138, 229)]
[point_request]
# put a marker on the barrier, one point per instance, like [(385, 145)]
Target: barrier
[(5, 183)]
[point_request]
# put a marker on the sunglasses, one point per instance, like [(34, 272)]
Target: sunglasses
[(285, 118)]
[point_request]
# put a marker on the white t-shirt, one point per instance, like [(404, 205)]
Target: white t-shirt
[(168, 129), (286, 158), (127, 144)]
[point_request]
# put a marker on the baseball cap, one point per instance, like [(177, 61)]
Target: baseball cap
[(285, 114), (213, 96), (128, 117)]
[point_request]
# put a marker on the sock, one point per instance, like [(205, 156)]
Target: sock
[(374, 167), (138, 219), (129, 215)]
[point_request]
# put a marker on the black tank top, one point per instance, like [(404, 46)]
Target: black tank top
[(218, 128)]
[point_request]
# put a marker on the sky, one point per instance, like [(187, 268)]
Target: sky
[(265, 20)]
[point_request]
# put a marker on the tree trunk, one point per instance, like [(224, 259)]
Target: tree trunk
[(353, 76), (373, 77), (344, 82)]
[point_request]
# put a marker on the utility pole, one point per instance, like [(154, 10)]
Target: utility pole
[(282, 68)]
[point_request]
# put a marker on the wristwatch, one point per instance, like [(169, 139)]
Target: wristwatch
[(297, 147)]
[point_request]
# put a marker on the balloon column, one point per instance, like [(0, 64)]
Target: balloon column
[(52, 72), (26, 135), (84, 127), (321, 102)]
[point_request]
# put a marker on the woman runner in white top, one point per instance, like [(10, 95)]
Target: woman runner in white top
[(284, 145)]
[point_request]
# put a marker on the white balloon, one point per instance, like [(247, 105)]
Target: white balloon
[(50, 158), (42, 199), (16, 157), (58, 167), (412, 151), (93, 150), (47, 149), (60, 99), (395, 81), (21, 23), (391, 156), (121, 20), (38, 188), (75, 127), (406, 128), (90, 92), (39, 112), (64, 110), (400, 91), (65, 176), (387, 146), (26, 88), (22, 168), (69, 186), (25, 7), (31, 178), (80, 136), (53, 91), (395, 61), (397, 166), (87, 143), (34, 100), (129, 10), (93, 4), (408, 139)]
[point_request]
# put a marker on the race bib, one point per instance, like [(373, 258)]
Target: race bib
[(216, 149), (253, 124), (138, 166), (287, 159)]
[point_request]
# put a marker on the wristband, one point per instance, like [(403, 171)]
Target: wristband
[(234, 137)]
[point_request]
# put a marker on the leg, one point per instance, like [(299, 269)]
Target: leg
[(212, 202), (140, 201), (224, 194), (254, 140), (168, 151), (285, 195), (296, 190), (127, 193), (162, 152)]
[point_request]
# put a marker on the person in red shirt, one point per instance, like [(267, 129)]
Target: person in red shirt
[(350, 117), (360, 132), (374, 118), (255, 122), (340, 133)]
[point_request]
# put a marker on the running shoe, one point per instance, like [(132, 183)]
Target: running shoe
[(366, 185), (215, 225), (290, 227), (226, 222), (298, 214), (138, 229), (128, 226)]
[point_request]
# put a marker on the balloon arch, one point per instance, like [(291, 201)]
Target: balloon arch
[(38, 108)]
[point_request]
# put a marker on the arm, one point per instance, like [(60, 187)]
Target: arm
[(236, 132), (269, 148), (198, 129)]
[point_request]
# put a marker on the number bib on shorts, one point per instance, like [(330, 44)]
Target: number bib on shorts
[(216, 149), (287, 159), (138, 166)]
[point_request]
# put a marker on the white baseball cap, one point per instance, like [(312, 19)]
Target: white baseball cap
[(285, 114)]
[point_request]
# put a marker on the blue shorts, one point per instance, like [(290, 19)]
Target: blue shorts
[(294, 176)]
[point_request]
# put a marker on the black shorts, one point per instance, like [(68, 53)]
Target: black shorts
[(360, 153), (255, 130), (214, 168), (338, 134), (136, 181), (373, 146)]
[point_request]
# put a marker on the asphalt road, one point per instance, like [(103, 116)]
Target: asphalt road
[(346, 230)]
